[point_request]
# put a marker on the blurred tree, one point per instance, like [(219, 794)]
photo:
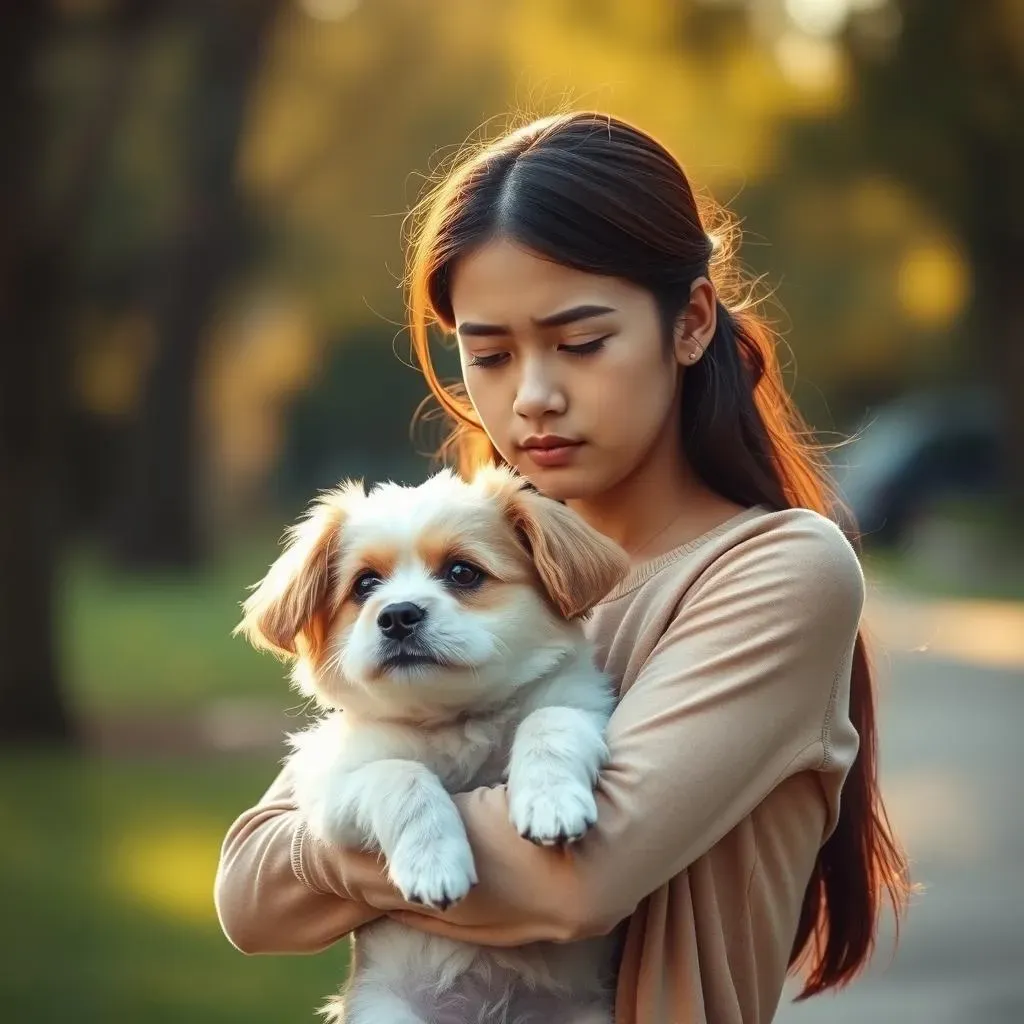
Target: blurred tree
[(37, 226), (354, 421), (158, 514), (901, 215), (941, 109), (351, 115)]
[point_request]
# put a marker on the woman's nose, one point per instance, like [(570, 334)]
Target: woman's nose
[(538, 394)]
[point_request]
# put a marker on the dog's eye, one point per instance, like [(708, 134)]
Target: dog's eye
[(463, 574), (366, 583)]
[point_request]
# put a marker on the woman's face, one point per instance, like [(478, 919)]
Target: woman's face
[(568, 371)]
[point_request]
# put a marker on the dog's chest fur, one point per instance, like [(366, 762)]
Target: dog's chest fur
[(471, 752)]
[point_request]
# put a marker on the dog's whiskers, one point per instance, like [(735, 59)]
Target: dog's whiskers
[(300, 709), (333, 663)]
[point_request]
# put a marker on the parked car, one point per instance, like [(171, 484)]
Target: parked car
[(915, 451)]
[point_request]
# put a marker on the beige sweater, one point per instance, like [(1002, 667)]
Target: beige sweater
[(729, 748)]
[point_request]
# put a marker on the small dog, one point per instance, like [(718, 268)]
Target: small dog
[(438, 627)]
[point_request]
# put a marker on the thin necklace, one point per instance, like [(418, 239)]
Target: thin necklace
[(650, 540)]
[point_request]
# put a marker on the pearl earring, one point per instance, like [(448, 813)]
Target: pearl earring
[(695, 353)]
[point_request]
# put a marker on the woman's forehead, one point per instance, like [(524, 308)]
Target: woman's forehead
[(501, 281)]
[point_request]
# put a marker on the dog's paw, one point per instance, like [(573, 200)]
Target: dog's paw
[(557, 813), (437, 873)]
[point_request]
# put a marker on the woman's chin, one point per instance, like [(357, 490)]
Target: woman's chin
[(562, 489), (558, 484), (563, 483)]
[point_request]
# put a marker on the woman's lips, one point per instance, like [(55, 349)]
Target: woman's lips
[(552, 456)]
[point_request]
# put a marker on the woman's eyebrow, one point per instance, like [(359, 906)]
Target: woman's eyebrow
[(566, 316)]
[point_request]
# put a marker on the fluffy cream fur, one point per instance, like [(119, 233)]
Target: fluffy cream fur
[(444, 621)]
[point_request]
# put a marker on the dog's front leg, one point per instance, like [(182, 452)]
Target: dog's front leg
[(400, 807), (553, 766)]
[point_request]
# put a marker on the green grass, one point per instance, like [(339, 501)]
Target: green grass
[(106, 875), (107, 865), (164, 642)]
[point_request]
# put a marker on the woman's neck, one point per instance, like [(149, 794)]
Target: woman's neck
[(658, 507)]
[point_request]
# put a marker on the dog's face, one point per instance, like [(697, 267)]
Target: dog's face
[(418, 599)]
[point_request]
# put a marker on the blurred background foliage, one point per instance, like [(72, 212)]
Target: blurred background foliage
[(200, 292)]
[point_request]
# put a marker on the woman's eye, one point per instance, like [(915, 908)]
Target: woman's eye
[(586, 348), (496, 359), (366, 583), (463, 574)]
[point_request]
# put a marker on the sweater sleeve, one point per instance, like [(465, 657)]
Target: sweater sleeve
[(267, 894), (736, 696)]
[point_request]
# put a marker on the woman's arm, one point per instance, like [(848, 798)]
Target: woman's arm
[(747, 687), (269, 898)]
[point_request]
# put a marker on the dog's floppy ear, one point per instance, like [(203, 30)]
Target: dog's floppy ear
[(576, 564), (292, 603)]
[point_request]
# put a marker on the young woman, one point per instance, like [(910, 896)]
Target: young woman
[(605, 356)]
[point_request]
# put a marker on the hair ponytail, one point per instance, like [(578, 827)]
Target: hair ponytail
[(734, 366)]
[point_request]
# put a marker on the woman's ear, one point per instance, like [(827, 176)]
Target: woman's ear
[(577, 565), (695, 326), (293, 604)]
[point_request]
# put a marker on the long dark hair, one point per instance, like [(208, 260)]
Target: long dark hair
[(597, 194)]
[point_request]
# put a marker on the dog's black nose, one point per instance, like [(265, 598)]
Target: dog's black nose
[(397, 621)]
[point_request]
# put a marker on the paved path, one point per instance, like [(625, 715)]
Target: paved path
[(952, 767)]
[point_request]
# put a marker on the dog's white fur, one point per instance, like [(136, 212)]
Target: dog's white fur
[(516, 697)]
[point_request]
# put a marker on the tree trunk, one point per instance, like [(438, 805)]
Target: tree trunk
[(36, 286), (32, 406), (32, 410), (158, 521)]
